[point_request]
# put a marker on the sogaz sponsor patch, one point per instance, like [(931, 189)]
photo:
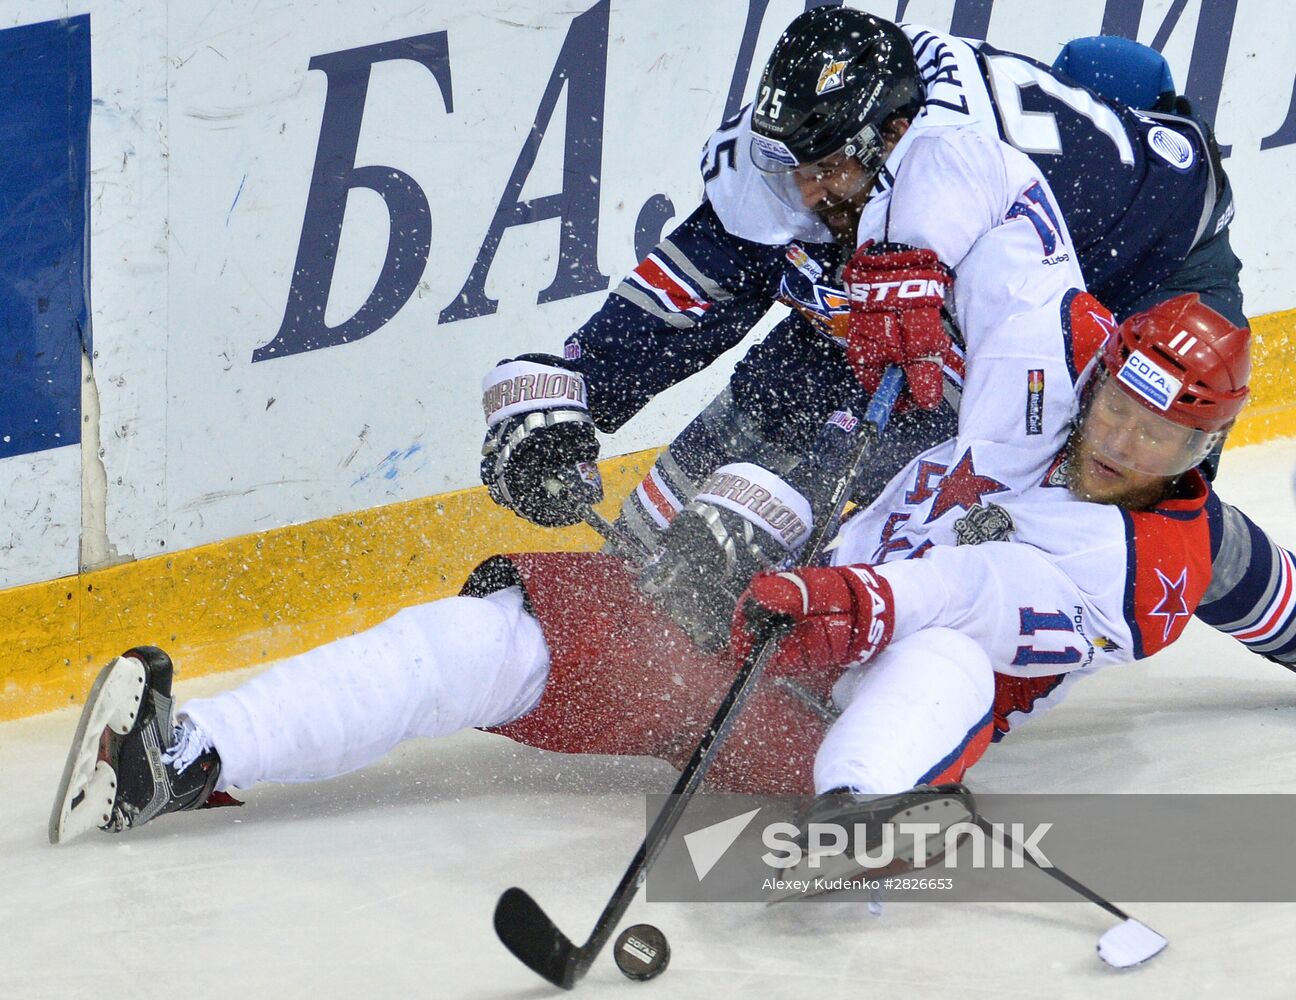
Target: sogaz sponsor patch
[(1149, 380)]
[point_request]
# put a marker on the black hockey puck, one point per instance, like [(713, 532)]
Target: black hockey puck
[(641, 952)]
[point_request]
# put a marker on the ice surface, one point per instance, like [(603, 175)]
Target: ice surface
[(382, 884)]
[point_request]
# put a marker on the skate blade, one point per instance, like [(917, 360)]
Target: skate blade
[(88, 787)]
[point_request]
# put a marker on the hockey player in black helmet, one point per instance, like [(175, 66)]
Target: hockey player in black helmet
[(836, 95)]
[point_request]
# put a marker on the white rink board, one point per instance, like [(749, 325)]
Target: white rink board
[(205, 131), (412, 388), (45, 489)]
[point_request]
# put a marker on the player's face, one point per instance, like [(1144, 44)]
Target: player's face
[(1123, 453), (1093, 476), (837, 187), (832, 180)]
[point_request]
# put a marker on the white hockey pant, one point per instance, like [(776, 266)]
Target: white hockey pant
[(431, 670)]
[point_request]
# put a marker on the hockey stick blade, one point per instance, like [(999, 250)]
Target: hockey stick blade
[(1130, 943), (1124, 946), (535, 940)]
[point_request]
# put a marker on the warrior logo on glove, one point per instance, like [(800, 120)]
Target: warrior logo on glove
[(538, 457), (531, 390)]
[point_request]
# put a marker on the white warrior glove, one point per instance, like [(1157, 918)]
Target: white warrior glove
[(743, 520), (540, 449)]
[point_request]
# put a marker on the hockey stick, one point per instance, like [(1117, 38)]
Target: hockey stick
[(524, 928), (1129, 943), (626, 545)]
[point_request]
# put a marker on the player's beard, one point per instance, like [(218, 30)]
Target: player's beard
[(842, 221), (1091, 477), (842, 218)]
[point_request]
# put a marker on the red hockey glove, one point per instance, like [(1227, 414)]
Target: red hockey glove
[(895, 319), (829, 617)]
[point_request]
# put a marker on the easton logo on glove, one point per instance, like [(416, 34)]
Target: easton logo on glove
[(896, 295), (880, 291), (828, 618)]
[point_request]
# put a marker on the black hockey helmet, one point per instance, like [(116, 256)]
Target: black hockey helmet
[(834, 79)]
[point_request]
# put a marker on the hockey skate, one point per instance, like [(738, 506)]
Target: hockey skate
[(115, 777), (824, 868)]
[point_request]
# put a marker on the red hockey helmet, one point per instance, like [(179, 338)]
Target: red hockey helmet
[(1172, 380), (1184, 360)]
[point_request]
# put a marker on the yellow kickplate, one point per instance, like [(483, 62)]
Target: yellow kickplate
[(262, 597), (1271, 413)]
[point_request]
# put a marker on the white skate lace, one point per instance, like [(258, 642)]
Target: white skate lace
[(188, 743)]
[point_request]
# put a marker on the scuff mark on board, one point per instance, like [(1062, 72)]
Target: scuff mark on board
[(237, 194), (364, 433), (392, 466)]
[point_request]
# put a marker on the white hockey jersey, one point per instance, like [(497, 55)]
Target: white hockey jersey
[(1087, 585)]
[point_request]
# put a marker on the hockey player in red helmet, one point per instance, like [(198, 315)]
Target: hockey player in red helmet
[(1162, 395), (932, 659)]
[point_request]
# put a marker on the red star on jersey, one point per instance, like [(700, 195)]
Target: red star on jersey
[(962, 487), (1172, 606)]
